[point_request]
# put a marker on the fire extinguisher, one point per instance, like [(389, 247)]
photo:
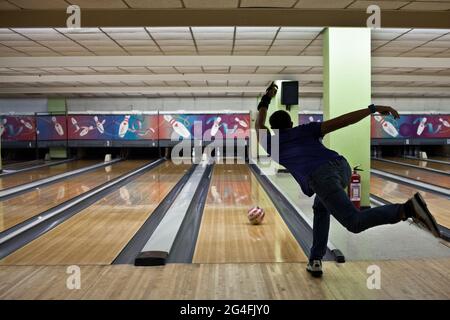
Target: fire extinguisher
[(354, 188)]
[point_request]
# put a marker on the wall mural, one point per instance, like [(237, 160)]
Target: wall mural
[(407, 127), (18, 128), (51, 128), (206, 126), (112, 127)]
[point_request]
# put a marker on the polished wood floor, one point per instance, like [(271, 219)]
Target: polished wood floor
[(415, 174), (98, 234), (407, 279), (422, 163), (225, 234), (399, 193), (30, 204), (42, 173)]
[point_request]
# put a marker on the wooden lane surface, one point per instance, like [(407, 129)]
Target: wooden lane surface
[(422, 163), (225, 234), (399, 193), (30, 204), (42, 173), (96, 235), (401, 279), (415, 174)]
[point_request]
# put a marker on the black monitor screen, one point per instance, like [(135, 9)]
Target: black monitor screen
[(289, 93)]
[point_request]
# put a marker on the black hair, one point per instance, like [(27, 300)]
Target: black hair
[(280, 120)]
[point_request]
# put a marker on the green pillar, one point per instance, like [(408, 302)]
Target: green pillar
[(57, 106), (347, 87)]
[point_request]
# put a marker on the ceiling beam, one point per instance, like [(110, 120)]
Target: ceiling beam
[(442, 91), (160, 61), (208, 61), (223, 17), (111, 78), (161, 77)]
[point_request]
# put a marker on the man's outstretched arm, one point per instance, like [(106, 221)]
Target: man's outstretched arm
[(354, 117)]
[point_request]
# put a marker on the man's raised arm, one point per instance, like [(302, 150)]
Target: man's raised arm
[(263, 106)]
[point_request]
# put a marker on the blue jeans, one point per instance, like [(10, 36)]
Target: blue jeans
[(329, 182)]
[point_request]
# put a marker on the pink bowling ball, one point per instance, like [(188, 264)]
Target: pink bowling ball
[(256, 215)]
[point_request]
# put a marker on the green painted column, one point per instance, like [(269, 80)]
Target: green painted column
[(347, 87), (57, 106)]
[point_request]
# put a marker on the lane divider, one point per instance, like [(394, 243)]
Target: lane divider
[(11, 172), (14, 191), (413, 166)]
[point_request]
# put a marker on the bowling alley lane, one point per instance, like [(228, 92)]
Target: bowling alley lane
[(97, 234), (422, 163), (412, 173), (42, 173), (226, 236), (398, 193), (18, 209)]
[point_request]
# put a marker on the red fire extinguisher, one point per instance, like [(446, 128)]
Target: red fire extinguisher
[(354, 188)]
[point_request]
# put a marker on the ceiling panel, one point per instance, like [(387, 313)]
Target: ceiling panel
[(267, 3), (323, 4), (384, 5), (40, 4), (149, 4), (100, 4), (207, 4)]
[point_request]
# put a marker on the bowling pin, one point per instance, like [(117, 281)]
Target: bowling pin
[(241, 122), (26, 124), (444, 122), (215, 127), (99, 125), (123, 129), (75, 123), (59, 129), (421, 126), (178, 127), (311, 119), (387, 126), (2, 127), (86, 130)]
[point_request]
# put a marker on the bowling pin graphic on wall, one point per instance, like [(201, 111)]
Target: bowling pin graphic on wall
[(216, 126), (124, 125), (26, 124), (241, 122), (421, 126), (388, 127), (177, 126), (99, 125), (75, 124), (444, 122), (59, 129)]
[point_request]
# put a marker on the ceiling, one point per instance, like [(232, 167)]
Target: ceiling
[(94, 78), (429, 5)]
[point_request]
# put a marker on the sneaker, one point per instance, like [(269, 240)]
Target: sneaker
[(315, 268), (421, 215)]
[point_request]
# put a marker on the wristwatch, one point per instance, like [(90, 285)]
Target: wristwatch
[(372, 108)]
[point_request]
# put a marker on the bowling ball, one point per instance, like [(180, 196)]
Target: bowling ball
[(256, 215)]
